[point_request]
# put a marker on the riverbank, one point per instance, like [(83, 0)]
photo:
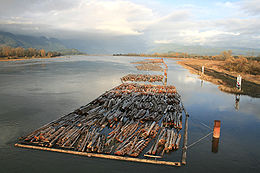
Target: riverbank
[(226, 80), (28, 58)]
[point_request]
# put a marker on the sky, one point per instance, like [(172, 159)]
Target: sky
[(234, 23)]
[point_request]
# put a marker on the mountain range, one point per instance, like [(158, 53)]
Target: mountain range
[(25, 41), (111, 45), (202, 50)]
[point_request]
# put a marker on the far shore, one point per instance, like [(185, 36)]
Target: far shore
[(226, 80), (27, 58)]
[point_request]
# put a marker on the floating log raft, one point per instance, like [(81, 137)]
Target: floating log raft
[(143, 78), (149, 61), (149, 67), (122, 121)]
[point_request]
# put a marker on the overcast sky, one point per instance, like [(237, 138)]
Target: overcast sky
[(190, 22)]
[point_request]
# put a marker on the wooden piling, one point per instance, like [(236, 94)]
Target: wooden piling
[(101, 155), (216, 130)]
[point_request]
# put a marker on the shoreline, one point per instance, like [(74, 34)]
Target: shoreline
[(21, 59), (225, 80)]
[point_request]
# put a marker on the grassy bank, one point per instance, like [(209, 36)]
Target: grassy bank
[(224, 76)]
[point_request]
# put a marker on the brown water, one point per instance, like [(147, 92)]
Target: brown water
[(35, 92)]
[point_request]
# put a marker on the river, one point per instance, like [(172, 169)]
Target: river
[(35, 92)]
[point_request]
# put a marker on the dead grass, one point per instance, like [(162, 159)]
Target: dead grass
[(242, 65)]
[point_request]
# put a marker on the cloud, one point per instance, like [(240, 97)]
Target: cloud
[(118, 17), (23, 7), (251, 6), (162, 41), (176, 15), (204, 37), (226, 4), (234, 28), (231, 23)]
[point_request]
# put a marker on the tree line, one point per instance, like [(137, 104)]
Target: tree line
[(221, 57), (19, 52), (236, 63)]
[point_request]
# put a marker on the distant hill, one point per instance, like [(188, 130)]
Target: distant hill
[(104, 44), (93, 44), (25, 41), (201, 50)]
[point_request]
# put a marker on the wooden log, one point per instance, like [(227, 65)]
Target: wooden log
[(166, 146), (177, 144), (157, 157), (75, 140), (157, 141), (149, 152), (171, 140), (53, 141), (132, 148), (101, 155), (142, 78), (185, 138), (150, 129), (83, 143)]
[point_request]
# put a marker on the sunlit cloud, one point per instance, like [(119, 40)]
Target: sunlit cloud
[(162, 41), (119, 17)]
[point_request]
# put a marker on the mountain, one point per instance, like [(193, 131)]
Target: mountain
[(202, 50), (106, 44), (25, 41), (92, 44)]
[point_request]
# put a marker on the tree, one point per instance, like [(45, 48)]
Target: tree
[(226, 54), (7, 51), (32, 52), (19, 51), (49, 54), (42, 53)]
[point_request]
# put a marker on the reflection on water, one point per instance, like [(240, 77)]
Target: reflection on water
[(35, 92), (237, 99), (214, 147)]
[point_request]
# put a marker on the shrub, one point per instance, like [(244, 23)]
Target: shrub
[(241, 64)]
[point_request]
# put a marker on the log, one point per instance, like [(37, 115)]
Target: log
[(157, 157), (185, 138), (101, 155)]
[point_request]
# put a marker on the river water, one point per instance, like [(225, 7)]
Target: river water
[(35, 92)]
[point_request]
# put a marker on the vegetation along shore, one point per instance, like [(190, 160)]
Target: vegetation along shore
[(8, 53)]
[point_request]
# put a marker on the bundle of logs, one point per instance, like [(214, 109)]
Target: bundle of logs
[(149, 61), (168, 90), (142, 78), (167, 140), (149, 67), (122, 121)]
